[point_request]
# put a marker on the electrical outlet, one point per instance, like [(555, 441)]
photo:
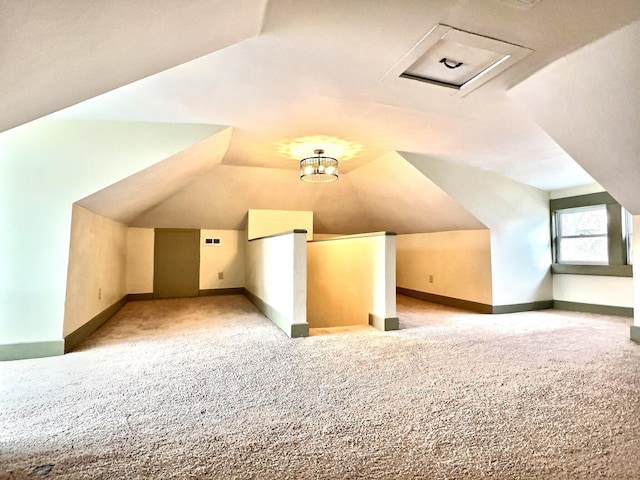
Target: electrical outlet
[(220, 275), (430, 278)]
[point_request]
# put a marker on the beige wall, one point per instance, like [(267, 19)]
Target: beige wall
[(227, 258), (140, 243), (262, 223), (459, 262), (97, 267), (349, 278), (276, 272), (326, 236)]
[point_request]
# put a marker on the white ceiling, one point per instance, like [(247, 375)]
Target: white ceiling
[(590, 103), (57, 53), (316, 67)]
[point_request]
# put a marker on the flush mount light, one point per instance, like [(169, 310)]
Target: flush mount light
[(319, 169)]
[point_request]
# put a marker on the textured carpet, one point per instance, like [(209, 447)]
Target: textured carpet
[(209, 388)]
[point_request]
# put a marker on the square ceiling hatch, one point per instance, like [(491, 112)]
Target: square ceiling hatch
[(456, 60)]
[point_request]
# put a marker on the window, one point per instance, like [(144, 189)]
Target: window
[(591, 235), (627, 224), (582, 235)]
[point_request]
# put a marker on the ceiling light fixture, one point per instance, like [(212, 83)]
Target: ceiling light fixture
[(319, 169)]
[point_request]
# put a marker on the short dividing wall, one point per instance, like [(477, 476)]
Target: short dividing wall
[(275, 279), (352, 281)]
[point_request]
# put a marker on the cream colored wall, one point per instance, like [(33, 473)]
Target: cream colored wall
[(140, 242), (46, 166), (326, 236), (276, 272), (97, 267), (517, 216), (262, 223), (459, 263), (226, 258), (350, 277), (593, 289)]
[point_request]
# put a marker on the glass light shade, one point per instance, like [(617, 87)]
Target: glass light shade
[(319, 169)]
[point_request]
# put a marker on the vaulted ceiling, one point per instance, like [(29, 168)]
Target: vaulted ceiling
[(283, 72)]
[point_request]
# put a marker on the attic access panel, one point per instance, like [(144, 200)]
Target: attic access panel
[(456, 60)]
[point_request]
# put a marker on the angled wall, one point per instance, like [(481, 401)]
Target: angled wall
[(588, 103), (47, 166), (137, 193), (518, 217), (97, 274)]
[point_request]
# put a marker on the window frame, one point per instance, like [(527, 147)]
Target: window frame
[(559, 237), (627, 232), (619, 263)]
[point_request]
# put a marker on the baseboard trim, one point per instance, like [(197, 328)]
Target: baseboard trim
[(635, 333), (299, 330), (593, 308), (443, 300), (23, 351), (139, 297), (385, 324), (221, 291), (292, 330), (523, 307), (475, 306), (80, 334)]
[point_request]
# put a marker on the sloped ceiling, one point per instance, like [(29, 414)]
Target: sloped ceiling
[(590, 103), (387, 194), (57, 53), (317, 69), (125, 200)]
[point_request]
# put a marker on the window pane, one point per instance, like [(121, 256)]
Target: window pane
[(583, 250), (627, 224), (583, 221)]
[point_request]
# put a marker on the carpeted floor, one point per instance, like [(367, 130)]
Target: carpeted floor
[(209, 388)]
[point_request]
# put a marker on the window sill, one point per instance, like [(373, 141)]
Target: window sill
[(601, 270)]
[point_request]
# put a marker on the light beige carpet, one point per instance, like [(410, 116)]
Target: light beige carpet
[(209, 388)]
